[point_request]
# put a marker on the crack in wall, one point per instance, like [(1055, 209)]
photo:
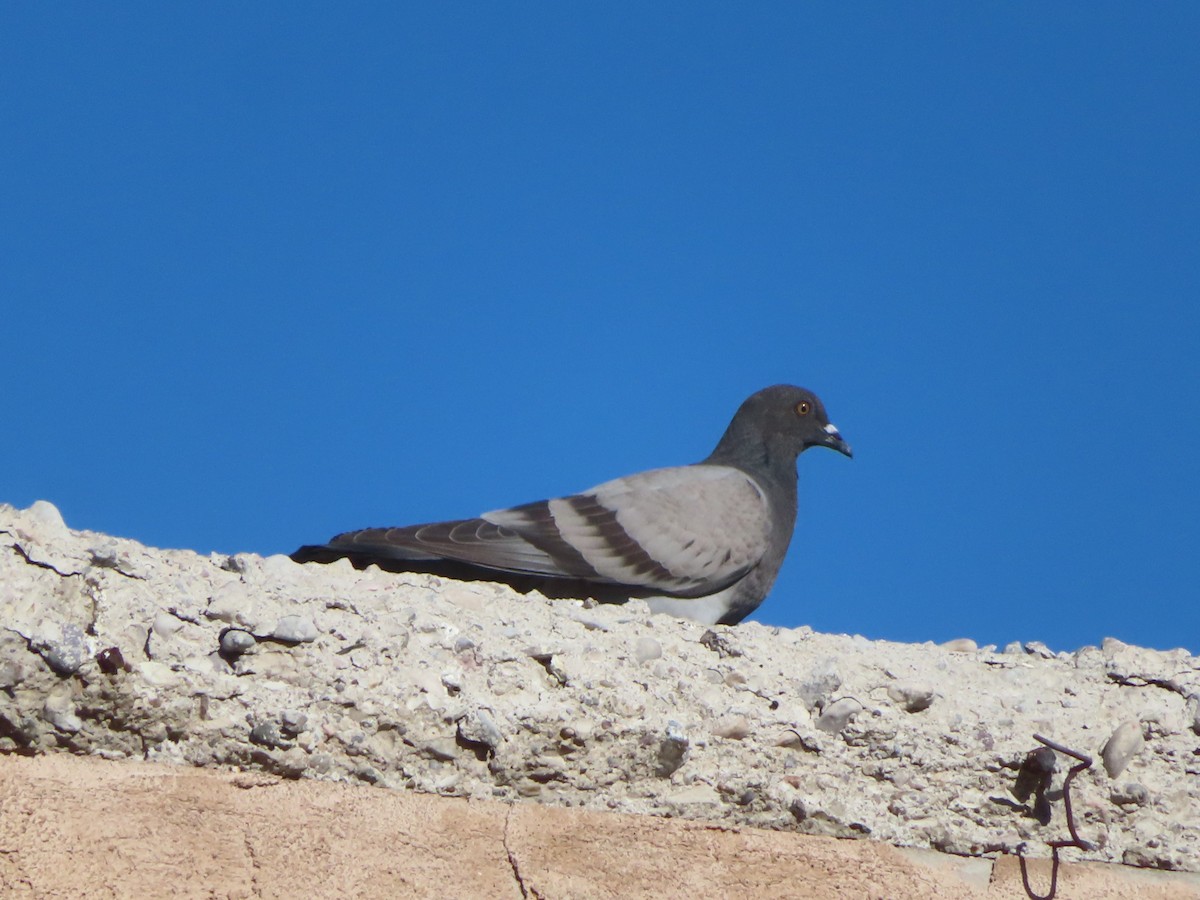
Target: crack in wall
[(254, 889), (1135, 680), (512, 860), (41, 565), (99, 561)]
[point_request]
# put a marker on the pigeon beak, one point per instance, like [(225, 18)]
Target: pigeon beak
[(833, 440)]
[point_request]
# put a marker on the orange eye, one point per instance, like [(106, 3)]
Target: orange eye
[(803, 408)]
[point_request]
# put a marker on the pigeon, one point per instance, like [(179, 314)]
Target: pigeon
[(702, 542)]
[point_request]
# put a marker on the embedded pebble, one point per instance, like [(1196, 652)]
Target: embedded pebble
[(444, 749), (1126, 742), (838, 714), (646, 649), (68, 653), (233, 606), (672, 751), (157, 674), (1131, 794), (238, 562), (960, 645), (590, 622), (463, 644), (279, 566), (111, 661), (479, 727), (734, 728), (47, 516), (1037, 648), (295, 630), (166, 625), (267, 734), (293, 721), (11, 673), (910, 696), (59, 711), (822, 681), (235, 642), (106, 555)]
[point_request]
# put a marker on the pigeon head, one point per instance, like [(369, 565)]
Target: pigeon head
[(777, 424)]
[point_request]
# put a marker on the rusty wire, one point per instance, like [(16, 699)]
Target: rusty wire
[(1084, 762)]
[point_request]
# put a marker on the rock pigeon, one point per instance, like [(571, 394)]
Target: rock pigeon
[(703, 542)]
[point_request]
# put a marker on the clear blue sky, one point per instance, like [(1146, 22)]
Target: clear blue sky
[(275, 271)]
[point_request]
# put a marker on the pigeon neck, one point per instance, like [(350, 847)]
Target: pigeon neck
[(771, 455)]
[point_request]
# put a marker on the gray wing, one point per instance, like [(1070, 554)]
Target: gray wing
[(686, 531), (475, 541)]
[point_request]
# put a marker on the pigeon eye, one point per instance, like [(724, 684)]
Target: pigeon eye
[(803, 408)]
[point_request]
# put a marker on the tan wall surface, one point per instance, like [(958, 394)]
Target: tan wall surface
[(73, 827)]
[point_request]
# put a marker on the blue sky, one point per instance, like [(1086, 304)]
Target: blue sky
[(278, 271)]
